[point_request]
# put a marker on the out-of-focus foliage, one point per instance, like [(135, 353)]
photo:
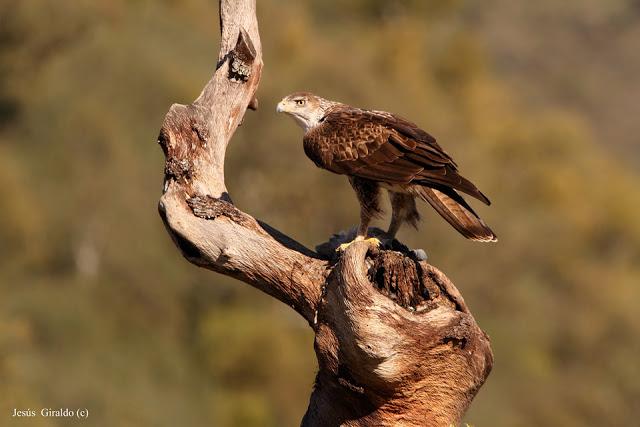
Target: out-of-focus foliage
[(577, 54), (100, 311)]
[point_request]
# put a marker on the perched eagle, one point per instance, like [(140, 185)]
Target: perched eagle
[(377, 150)]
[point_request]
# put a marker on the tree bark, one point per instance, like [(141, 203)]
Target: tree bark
[(395, 341)]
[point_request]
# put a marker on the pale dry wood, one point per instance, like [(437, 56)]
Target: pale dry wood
[(395, 342)]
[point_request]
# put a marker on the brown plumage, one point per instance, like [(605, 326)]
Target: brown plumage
[(378, 149)]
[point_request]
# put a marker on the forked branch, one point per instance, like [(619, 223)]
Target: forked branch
[(395, 342)]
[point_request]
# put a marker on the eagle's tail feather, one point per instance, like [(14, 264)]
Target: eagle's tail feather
[(453, 208)]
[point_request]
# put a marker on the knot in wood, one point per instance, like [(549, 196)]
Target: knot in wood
[(178, 169), (239, 70), (208, 207), (200, 130), (241, 58)]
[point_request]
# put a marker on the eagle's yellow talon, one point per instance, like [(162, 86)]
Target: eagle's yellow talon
[(343, 247), (372, 241)]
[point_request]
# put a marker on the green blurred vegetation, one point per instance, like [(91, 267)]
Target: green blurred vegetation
[(537, 101)]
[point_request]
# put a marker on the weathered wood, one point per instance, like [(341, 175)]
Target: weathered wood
[(385, 365), (395, 342)]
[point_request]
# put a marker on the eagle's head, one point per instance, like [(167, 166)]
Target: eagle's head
[(306, 108)]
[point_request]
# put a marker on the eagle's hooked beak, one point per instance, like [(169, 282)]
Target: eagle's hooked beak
[(280, 107)]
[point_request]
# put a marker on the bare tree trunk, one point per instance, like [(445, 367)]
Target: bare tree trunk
[(395, 342)]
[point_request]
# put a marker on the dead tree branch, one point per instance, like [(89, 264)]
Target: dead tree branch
[(395, 342)]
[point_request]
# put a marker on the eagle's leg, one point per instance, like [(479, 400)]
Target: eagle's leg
[(368, 193), (403, 209)]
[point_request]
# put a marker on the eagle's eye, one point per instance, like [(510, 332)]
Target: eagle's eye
[(300, 102)]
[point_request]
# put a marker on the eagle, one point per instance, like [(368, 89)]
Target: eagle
[(379, 150)]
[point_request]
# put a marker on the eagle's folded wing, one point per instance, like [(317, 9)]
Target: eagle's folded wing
[(383, 147)]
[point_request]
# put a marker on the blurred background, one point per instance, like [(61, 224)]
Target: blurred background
[(538, 102)]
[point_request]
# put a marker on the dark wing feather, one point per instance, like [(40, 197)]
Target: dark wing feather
[(457, 212), (383, 147)]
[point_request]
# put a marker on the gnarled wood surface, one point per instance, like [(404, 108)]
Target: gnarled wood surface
[(395, 341)]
